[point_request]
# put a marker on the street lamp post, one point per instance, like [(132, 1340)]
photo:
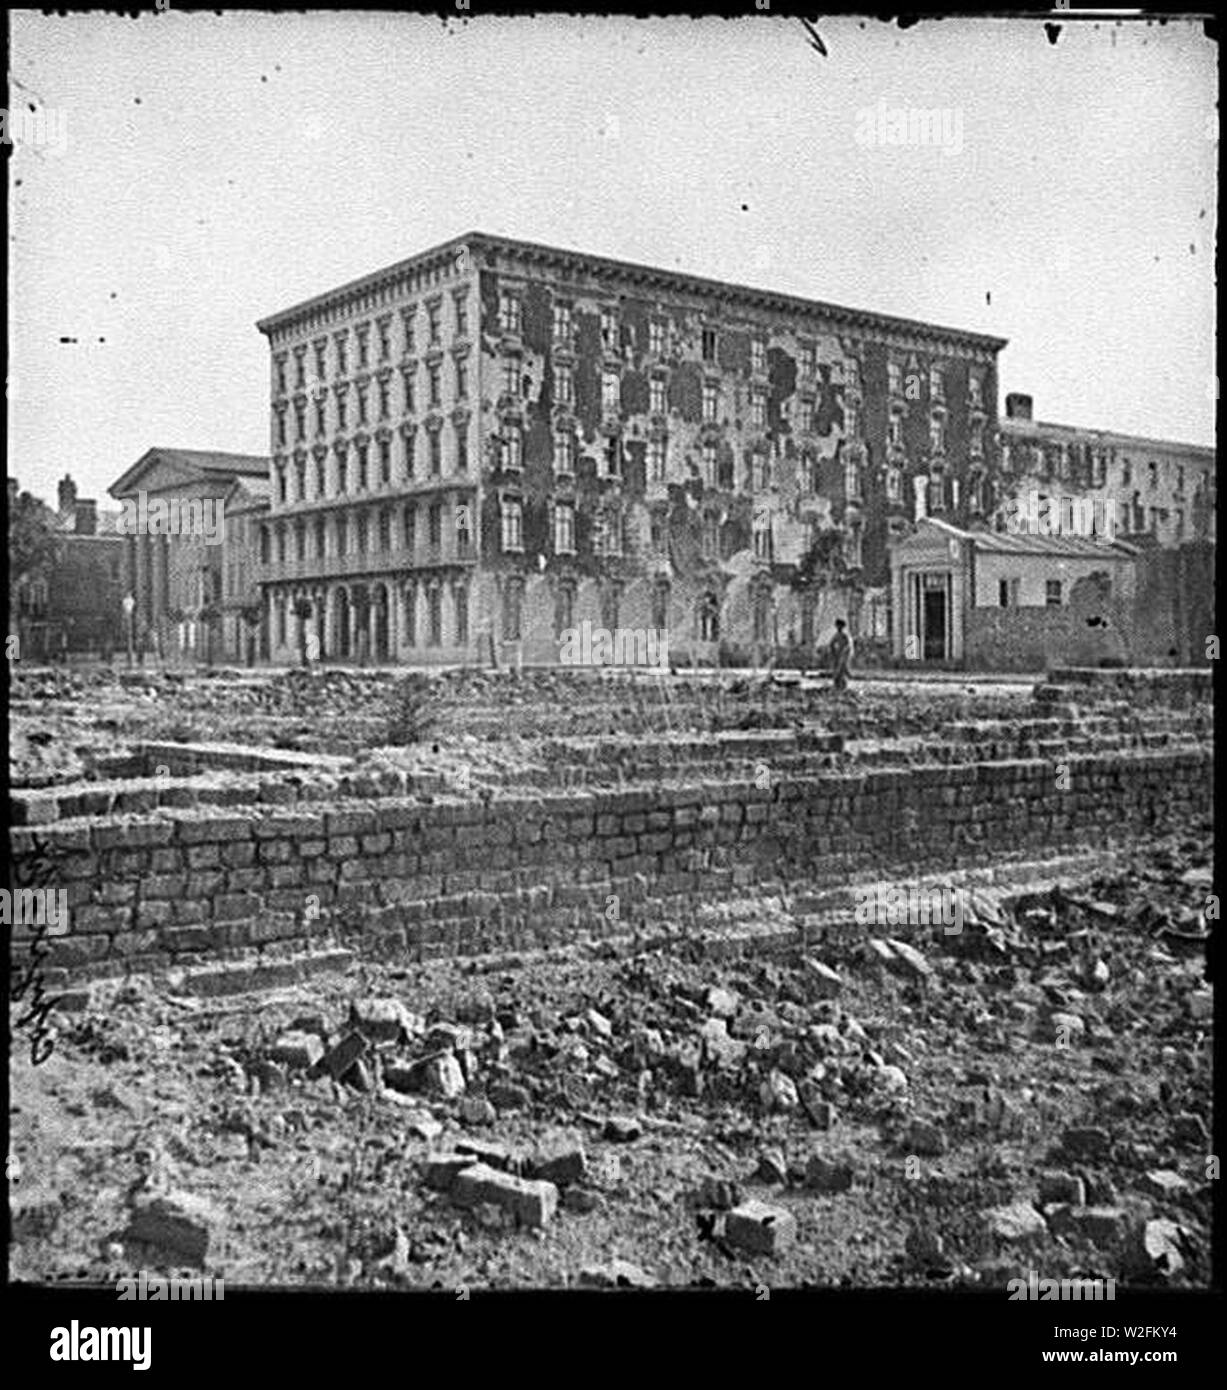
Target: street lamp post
[(129, 607)]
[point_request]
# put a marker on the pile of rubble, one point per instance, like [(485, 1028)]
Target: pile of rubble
[(889, 1105)]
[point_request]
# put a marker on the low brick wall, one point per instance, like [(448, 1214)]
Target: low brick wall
[(462, 877)]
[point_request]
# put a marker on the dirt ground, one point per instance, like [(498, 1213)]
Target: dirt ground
[(1033, 1093)]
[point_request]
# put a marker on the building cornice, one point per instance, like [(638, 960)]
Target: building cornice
[(481, 250)]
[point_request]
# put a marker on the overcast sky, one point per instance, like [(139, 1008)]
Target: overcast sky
[(217, 169)]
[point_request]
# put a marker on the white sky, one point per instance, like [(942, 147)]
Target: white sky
[(218, 169)]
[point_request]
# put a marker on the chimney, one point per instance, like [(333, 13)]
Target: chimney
[(86, 518), (68, 494), (1017, 406)]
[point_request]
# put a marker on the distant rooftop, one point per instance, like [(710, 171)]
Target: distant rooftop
[(1015, 425), (1023, 543), (208, 461)]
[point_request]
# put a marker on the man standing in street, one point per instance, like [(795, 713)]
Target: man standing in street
[(841, 654)]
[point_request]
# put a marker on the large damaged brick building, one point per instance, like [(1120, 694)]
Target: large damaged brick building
[(485, 445)]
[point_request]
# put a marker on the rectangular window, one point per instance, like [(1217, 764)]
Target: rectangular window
[(808, 359), (434, 385), (758, 471), (384, 397), (711, 403), (464, 531), (363, 391), (709, 465), (462, 380), (609, 329), (852, 478), (976, 439), (709, 345), (894, 378), (656, 338), (462, 614), (406, 318), (762, 536), (434, 324), (564, 383), (321, 359), (462, 448), (1007, 593), (279, 368), (434, 616), (758, 355), (434, 525), (508, 312), (363, 452), (511, 448), (300, 378), (937, 434), (564, 454), (385, 461), (564, 528), (384, 328), (607, 534), (435, 446), (894, 431), (462, 316), (807, 472), (511, 378), (562, 323), (937, 384), (758, 410), (321, 416), (411, 523), (610, 393), (656, 460), (612, 454), (511, 518), (656, 396), (805, 415), (1052, 593)]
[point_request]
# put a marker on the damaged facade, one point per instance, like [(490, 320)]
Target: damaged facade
[(1159, 488), (490, 443)]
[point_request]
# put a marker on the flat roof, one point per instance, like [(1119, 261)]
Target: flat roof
[(634, 270), (1008, 422)]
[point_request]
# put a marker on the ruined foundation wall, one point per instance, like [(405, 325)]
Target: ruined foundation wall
[(463, 878)]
